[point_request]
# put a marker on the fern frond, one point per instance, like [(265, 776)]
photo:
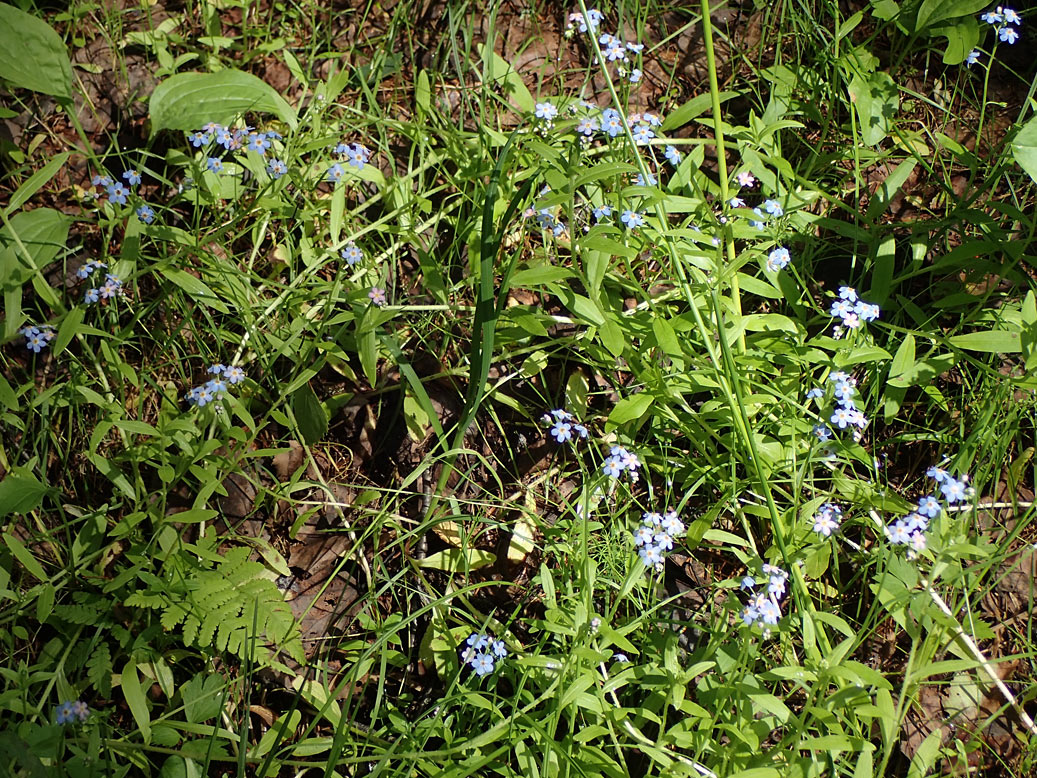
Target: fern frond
[(99, 669), (230, 608), (173, 615), (78, 613)]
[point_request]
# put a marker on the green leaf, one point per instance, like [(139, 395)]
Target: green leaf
[(20, 493), (35, 182), (962, 37), (925, 755), (603, 170), (989, 341), (32, 56), (581, 307), (309, 414), (860, 355), (45, 604), (666, 337), (877, 101), (42, 231), (196, 288), (696, 106), (338, 208), (933, 11), (611, 335), (33, 238), (203, 697), (904, 359), (67, 329), (8, 399), (177, 766), (367, 346), (630, 408), (188, 100), (542, 274), (888, 189), (134, 693), (1024, 148), (23, 555), (500, 72), (457, 560), (422, 92), (576, 390)]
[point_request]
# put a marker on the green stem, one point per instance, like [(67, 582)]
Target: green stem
[(718, 134)]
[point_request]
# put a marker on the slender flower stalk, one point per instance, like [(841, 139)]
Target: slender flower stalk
[(718, 134)]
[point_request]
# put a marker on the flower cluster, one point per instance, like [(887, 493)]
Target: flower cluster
[(87, 270), (778, 259), (1001, 20), (546, 112), (953, 489), (545, 217), (70, 712), (851, 310), (214, 388), (563, 425), (827, 519), (483, 652), (588, 23), (37, 338), (615, 50), (356, 154), (910, 530), (231, 139), (610, 123), (234, 139), (620, 460), (119, 193), (655, 537), (546, 220), (846, 413), (763, 607), (768, 209), (109, 290)]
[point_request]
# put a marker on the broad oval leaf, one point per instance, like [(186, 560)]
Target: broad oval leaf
[(32, 56), (1024, 148), (507, 79), (933, 11), (630, 408), (309, 414), (877, 101), (41, 232), (186, 101)]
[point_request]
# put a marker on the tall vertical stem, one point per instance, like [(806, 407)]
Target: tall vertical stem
[(718, 134)]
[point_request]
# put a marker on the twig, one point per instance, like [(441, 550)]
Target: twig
[(983, 661)]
